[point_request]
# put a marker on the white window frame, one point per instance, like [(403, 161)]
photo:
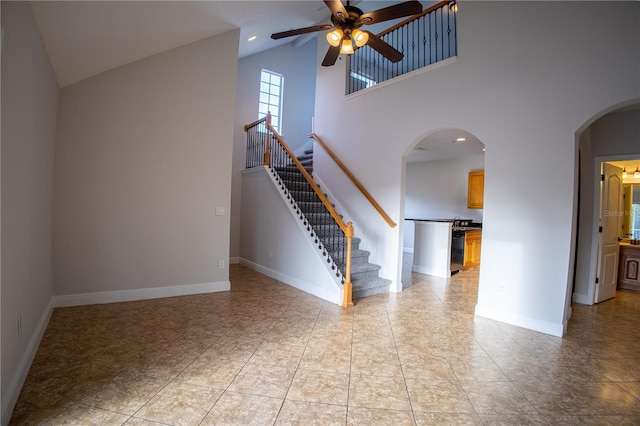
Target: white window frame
[(366, 80), (270, 97)]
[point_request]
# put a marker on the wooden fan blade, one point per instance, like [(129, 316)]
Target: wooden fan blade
[(299, 31), (384, 48), (331, 57), (407, 8), (337, 9)]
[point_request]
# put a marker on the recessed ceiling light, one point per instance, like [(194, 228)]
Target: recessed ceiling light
[(253, 37), (460, 139)]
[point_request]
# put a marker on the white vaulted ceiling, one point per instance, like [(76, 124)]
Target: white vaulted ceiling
[(85, 38)]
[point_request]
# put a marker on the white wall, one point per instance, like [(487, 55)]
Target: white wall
[(438, 190), (143, 158), (615, 134), (524, 96), (298, 65), (29, 105), (275, 242)]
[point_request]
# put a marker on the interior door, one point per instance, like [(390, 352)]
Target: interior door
[(611, 222)]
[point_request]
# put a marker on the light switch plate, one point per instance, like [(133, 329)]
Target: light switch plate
[(219, 211)]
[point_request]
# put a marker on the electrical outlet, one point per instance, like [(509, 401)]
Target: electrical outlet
[(219, 211), (19, 323), (221, 264)]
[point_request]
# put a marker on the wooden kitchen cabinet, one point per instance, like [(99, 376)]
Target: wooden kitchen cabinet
[(472, 246), (475, 194), (629, 271)]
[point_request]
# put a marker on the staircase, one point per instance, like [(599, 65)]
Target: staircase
[(365, 277)]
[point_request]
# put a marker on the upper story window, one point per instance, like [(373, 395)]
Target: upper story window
[(271, 85), (364, 81)]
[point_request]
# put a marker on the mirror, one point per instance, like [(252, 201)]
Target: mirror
[(631, 217), (627, 190)]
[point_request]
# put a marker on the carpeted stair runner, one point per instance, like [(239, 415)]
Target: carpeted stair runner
[(365, 276)]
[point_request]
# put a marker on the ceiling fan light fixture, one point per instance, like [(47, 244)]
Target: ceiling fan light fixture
[(360, 37), (348, 19), (347, 46), (334, 37)]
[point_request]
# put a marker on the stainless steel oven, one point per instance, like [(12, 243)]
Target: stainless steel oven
[(457, 250)]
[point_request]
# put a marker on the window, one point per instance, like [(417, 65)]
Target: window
[(365, 81), (271, 84)]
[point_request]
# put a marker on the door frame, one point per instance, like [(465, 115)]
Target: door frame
[(596, 170)]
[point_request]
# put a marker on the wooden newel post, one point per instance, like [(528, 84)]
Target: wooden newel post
[(347, 289), (267, 142)]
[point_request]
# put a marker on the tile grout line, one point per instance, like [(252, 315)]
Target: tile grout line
[(352, 315), (298, 364), (404, 378)]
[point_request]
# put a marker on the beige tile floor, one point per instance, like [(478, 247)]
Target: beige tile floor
[(266, 354)]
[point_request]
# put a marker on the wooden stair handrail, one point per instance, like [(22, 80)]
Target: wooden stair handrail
[(255, 123), (347, 229), (309, 179), (355, 181), (414, 17), (347, 289)]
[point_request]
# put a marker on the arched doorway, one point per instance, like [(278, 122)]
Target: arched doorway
[(435, 184), (612, 137)]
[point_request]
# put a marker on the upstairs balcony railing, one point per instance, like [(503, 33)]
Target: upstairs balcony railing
[(424, 39)]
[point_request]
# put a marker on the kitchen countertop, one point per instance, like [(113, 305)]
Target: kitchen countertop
[(472, 227), (431, 220)]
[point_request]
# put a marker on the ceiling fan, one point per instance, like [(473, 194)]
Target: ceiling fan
[(347, 21)]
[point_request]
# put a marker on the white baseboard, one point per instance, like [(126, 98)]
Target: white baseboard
[(443, 273), (294, 282), (521, 321), (140, 294), (10, 398), (582, 299)]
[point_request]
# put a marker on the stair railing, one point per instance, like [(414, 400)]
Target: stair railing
[(265, 147), (424, 39), (355, 181)]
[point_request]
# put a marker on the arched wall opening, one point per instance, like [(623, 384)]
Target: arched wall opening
[(611, 135), (435, 171)]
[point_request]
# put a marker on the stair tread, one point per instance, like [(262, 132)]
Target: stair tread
[(356, 252), (364, 275), (364, 267), (370, 283), (370, 288)]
